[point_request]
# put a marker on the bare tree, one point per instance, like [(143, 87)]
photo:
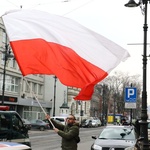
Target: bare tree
[(111, 92)]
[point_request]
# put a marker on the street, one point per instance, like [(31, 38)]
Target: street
[(49, 140)]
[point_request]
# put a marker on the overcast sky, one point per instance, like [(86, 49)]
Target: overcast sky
[(110, 18)]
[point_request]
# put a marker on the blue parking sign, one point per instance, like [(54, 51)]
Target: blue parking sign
[(130, 95)]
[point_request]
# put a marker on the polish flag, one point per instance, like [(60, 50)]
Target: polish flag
[(49, 44), (13, 146)]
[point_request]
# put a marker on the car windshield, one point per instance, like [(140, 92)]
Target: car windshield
[(118, 133)]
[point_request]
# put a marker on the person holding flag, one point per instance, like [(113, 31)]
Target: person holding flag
[(68, 132)]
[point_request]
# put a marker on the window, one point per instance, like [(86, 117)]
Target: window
[(85, 107), (16, 122), (11, 83), (1, 81), (2, 61), (34, 87), (27, 87), (5, 121), (4, 37), (77, 108), (12, 63), (40, 89)]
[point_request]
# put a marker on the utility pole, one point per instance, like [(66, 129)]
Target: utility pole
[(55, 79)]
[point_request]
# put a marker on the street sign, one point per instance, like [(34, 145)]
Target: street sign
[(130, 105), (130, 94), (130, 97)]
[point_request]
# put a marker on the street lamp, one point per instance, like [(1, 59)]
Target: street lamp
[(114, 120), (104, 113), (7, 55), (55, 79), (144, 116)]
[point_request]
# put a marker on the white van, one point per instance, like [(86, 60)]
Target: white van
[(60, 119)]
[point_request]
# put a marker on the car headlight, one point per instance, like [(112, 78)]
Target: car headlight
[(97, 147), (129, 148)]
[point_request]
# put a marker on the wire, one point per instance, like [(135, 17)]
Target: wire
[(78, 7), (12, 3), (39, 4)]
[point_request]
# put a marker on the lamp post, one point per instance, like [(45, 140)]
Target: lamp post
[(7, 54), (103, 116), (114, 120), (55, 79), (144, 116)]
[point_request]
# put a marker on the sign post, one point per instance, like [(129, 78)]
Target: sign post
[(130, 97)]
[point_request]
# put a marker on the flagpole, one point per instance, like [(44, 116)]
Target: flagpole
[(38, 101)]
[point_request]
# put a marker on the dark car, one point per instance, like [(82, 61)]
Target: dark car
[(27, 124), (39, 124), (115, 137), (87, 123), (50, 125), (12, 128)]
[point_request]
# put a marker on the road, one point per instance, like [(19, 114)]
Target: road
[(49, 140)]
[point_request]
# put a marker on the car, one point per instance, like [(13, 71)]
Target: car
[(50, 125), (12, 128), (61, 119), (99, 122), (39, 124), (94, 123), (87, 123), (27, 124), (13, 146), (115, 137)]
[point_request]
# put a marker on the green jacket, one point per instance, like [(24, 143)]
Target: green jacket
[(68, 134)]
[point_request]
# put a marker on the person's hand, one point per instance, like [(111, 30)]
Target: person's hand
[(56, 130), (47, 117)]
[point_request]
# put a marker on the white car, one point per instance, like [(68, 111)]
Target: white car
[(115, 138), (99, 122), (13, 146), (94, 123), (60, 119)]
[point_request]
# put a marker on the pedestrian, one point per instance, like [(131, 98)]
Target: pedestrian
[(118, 121), (124, 122), (68, 132)]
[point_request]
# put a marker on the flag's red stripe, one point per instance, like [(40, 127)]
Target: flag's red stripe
[(37, 56)]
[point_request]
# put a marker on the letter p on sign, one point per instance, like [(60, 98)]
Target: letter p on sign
[(130, 92)]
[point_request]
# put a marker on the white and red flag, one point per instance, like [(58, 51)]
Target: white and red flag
[(44, 43), (13, 146)]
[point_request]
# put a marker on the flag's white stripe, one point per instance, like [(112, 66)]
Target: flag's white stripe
[(66, 32)]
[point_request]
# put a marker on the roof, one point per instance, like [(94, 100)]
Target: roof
[(117, 126)]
